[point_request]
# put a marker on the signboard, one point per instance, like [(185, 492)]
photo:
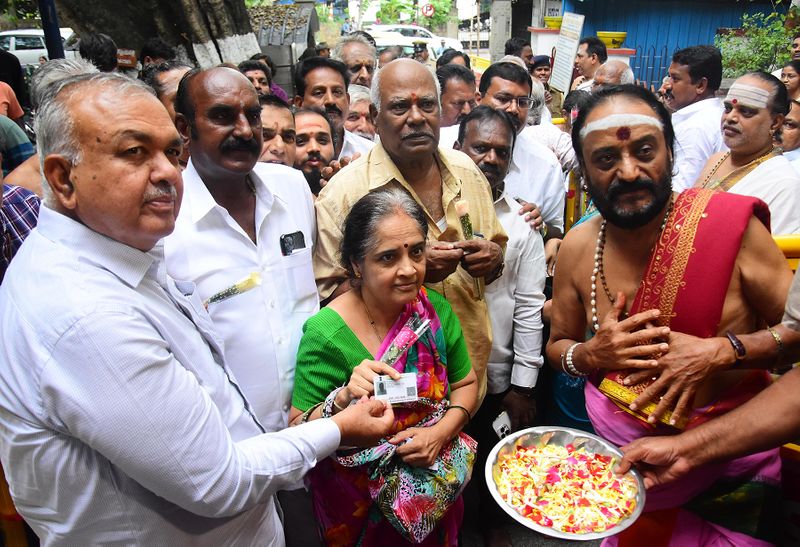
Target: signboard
[(566, 48), (428, 10)]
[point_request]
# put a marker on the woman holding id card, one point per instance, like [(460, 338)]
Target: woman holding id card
[(389, 338)]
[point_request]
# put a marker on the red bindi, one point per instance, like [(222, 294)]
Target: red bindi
[(624, 133), (405, 245), (734, 101)]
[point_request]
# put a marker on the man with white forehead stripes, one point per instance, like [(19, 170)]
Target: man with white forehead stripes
[(622, 121), (663, 283), (754, 110)]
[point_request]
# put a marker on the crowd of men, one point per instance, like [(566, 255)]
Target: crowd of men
[(190, 224)]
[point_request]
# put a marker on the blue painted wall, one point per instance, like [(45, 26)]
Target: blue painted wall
[(662, 25)]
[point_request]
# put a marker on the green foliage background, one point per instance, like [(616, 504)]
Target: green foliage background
[(762, 45)]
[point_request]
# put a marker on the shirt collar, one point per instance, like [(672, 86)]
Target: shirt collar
[(383, 170), (199, 201), (129, 264), (688, 110)]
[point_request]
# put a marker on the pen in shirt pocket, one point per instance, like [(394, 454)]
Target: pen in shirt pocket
[(250, 282)]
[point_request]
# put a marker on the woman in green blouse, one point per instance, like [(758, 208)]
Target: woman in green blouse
[(383, 250)]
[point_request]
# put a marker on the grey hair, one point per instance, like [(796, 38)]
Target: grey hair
[(55, 70), (627, 77), (537, 101), (54, 125), (375, 90), (353, 39), (360, 226), (358, 93)]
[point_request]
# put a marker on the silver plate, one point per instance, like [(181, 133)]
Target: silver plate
[(559, 436)]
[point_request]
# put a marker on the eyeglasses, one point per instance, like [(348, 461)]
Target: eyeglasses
[(506, 100), (355, 69)]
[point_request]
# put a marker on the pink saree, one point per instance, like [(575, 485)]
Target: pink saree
[(342, 502)]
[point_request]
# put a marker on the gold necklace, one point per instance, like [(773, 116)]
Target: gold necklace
[(371, 320), (753, 163)]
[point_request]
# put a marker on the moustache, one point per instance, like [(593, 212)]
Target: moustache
[(158, 192), (235, 144), (333, 110), (618, 188), (314, 156), (417, 134), (487, 170)]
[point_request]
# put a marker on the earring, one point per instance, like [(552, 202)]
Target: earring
[(358, 275)]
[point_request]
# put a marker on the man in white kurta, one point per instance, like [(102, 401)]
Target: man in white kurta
[(777, 183)]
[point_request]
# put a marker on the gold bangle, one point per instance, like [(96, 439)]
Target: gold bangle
[(777, 338)]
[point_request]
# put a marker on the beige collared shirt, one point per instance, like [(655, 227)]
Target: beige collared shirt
[(460, 178)]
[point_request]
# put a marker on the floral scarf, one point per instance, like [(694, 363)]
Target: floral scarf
[(342, 502)]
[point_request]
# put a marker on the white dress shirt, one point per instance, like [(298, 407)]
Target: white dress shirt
[(557, 141), (515, 303), (121, 423), (535, 175), (697, 138), (777, 184), (354, 143), (262, 327), (794, 158)]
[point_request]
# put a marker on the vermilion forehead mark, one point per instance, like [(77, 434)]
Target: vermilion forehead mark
[(734, 101), (624, 133), (413, 96), (405, 245)]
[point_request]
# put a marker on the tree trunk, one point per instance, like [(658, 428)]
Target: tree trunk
[(206, 32)]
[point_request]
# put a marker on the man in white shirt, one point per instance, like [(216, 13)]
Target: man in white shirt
[(535, 173), (754, 111), (121, 422), (322, 83), (459, 95), (591, 54), (515, 300), (694, 77), (237, 217)]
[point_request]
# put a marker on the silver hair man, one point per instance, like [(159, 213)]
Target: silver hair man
[(54, 126), (359, 56), (55, 70)]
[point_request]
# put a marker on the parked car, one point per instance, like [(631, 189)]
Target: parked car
[(386, 39), (414, 32), (28, 44)]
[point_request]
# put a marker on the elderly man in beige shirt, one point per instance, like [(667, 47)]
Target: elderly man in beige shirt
[(408, 157)]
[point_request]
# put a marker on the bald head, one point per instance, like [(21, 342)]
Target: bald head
[(401, 70), (406, 95), (613, 73)]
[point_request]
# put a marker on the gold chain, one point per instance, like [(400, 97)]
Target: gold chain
[(757, 161)]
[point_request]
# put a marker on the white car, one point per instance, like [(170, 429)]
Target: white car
[(28, 44), (439, 43), (386, 39)]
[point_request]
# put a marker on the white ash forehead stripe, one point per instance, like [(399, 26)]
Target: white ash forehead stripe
[(749, 95), (620, 120)]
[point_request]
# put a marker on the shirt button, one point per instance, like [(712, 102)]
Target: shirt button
[(286, 408), (271, 303)]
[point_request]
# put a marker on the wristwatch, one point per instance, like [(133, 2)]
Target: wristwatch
[(738, 347)]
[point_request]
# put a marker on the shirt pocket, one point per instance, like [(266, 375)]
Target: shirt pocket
[(299, 275)]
